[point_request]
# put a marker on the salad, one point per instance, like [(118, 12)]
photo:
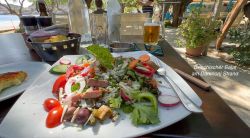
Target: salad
[(99, 87)]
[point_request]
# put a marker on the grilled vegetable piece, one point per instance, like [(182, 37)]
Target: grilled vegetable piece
[(103, 112), (11, 79)]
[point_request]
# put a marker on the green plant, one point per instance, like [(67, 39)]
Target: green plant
[(197, 30), (241, 53)]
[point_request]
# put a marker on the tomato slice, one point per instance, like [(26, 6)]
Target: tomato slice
[(54, 117), (50, 103), (60, 82)]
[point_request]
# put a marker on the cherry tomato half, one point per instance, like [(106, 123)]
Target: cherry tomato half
[(60, 82), (50, 103), (54, 117)]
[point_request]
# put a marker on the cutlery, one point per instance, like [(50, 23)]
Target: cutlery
[(186, 101), (194, 80)]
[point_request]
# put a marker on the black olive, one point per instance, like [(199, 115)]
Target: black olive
[(82, 116)]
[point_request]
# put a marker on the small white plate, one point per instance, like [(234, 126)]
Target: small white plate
[(33, 69), (26, 119)]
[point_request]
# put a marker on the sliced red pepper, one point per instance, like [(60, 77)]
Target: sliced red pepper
[(124, 96), (149, 67), (60, 82), (148, 73), (88, 71), (73, 70)]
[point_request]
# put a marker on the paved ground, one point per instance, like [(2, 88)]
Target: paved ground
[(230, 82)]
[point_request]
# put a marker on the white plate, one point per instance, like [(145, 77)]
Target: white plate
[(27, 117), (33, 69)]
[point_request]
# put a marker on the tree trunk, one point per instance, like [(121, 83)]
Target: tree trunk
[(21, 27), (123, 5), (183, 6), (176, 15)]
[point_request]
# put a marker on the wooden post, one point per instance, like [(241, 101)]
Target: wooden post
[(231, 17), (176, 15), (183, 6)]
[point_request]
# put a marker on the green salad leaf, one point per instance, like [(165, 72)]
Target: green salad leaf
[(127, 108), (144, 114), (75, 87), (148, 96), (115, 102), (102, 54)]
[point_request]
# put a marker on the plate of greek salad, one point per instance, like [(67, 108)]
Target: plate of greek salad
[(98, 94)]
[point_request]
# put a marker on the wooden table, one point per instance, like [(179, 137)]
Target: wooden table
[(218, 120)]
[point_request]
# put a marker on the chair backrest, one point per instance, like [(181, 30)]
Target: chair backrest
[(131, 26)]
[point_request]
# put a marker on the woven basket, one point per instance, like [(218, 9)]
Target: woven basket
[(53, 51)]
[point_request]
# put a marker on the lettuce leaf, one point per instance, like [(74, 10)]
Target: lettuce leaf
[(144, 114), (115, 102), (127, 108), (145, 109), (102, 54)]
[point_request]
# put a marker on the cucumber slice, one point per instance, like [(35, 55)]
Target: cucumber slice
[(59, 69)]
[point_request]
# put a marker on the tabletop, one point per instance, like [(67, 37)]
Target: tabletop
[(217, 120)]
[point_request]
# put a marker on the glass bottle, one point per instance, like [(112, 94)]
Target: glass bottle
[(79, 19)]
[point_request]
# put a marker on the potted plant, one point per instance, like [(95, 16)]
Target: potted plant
[(196, 32)]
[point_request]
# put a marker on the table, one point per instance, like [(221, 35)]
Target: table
[(218, 120)]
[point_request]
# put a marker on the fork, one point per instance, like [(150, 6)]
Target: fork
[(188, 104)]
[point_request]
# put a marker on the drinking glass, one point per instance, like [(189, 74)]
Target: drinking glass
[(151, 36)]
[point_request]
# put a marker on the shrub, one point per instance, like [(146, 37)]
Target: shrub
[(241, 53), (197, 30)]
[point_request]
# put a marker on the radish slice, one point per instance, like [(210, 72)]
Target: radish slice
[(168, 100), (65, 62)]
